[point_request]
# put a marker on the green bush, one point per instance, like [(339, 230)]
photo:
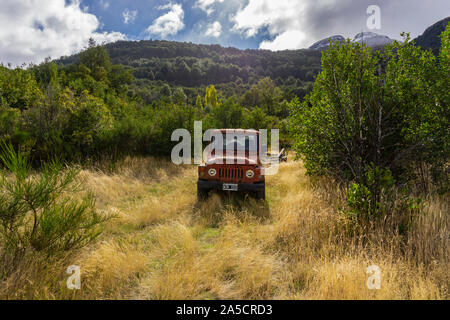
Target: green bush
[(374, 118), (375, 197), (42, 212)]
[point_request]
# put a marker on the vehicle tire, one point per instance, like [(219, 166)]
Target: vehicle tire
[(261, 195), (202, 194)]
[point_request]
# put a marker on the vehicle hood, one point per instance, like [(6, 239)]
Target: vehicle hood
[(231, 160)]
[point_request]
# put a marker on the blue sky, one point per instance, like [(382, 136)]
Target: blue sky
[(347, 17), (32, 30), (195, 19)]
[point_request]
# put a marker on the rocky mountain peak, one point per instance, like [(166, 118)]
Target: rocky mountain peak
[(323, 44)]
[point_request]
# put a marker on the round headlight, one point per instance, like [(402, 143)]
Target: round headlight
[(212, 172), (250, 174)]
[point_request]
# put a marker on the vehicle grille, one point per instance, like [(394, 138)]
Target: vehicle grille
[(231, 173)]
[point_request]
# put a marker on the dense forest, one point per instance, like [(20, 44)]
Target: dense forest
[(192, 67), (94, 108)]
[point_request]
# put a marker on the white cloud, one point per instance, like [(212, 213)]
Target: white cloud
[(283, 20), (170, 23), (287, 40), (104, 4), (129, 16), (207, 5), (214, 30), (294, 24), (30, 31)]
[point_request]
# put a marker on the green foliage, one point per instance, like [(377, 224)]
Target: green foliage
[(192, 66), (120, 78), (266, 95), (179, 96), (359, 200), (96, 59), (68, 125), (39, 213), (9, 122), (211, 97), (46, 73), (166, 93), (387, 111), (226, 115), (198, 103), (258, 119), (18, 88), (375, 197)]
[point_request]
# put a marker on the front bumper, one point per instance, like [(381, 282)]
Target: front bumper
[(217, 185)]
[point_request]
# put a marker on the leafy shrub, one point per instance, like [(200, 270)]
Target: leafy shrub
[(374, 118), (375, 197), (40, 213)]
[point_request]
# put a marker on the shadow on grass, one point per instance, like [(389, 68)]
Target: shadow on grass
[(219, 205)]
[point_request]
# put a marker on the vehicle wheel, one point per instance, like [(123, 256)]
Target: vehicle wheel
[(261, 195), (202, 194)]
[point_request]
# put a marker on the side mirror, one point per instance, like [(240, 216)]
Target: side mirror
[(282, 156)]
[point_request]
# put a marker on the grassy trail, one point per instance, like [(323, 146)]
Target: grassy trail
[(163, 244)]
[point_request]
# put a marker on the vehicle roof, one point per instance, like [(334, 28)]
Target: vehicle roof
[(237, 131)]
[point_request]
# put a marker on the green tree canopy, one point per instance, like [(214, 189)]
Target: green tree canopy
[(370, 112)]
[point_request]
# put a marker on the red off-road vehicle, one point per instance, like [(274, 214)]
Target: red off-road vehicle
[(237, 168)]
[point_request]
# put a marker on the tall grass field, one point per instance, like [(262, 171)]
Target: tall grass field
[(158, 242)]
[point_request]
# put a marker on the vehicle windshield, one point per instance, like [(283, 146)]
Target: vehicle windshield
[(240, 142)]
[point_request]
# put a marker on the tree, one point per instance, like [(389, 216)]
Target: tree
[(120, 78), (166, 92), (372, 115), (258, 119), (179, 96), (37, 213), (264, 94), (198, 103), (90, 119), (46, 73), (211, 97), (9, 121), (96, 58), (19, 88), (227, 115)]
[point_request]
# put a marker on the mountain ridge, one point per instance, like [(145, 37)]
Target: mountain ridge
[(371, 39), (430, 39)]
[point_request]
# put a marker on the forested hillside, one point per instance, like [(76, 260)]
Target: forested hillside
[(192, 67)]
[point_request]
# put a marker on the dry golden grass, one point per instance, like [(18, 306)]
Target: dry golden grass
[(164, 245)]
